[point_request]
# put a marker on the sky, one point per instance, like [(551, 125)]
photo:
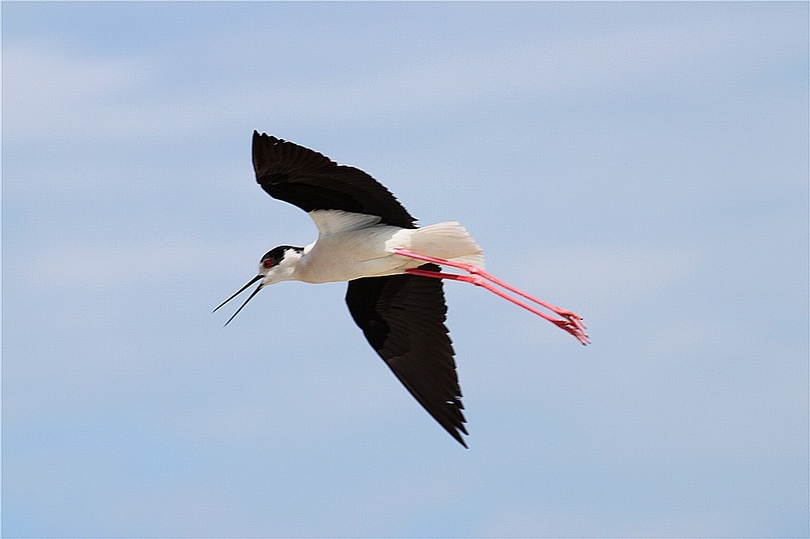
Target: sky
[(642, 164)]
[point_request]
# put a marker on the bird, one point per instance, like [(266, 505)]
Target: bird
[(394, 271)]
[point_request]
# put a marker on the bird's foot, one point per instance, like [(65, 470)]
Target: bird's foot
[(572, 323)]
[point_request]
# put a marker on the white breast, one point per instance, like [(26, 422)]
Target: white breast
[(351, 246), (355, 245)]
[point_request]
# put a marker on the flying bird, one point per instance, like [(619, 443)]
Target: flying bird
[(395, 295)]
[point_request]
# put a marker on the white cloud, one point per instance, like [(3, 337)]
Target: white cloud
[(52, 88), (46, 86)]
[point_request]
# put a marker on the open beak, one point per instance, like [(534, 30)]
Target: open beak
[(250, 297)]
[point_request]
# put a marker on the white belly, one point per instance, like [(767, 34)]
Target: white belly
[(351, 246), (345, 256)]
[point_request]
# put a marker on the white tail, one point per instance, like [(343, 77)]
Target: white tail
[(448, 240)]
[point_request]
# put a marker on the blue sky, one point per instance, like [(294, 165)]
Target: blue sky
[(643, 164)]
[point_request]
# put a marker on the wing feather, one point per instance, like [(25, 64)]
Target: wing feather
[(312, 181), (403, 316)]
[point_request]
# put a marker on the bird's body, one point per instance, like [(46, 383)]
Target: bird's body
[(395, 295), (352, 246)]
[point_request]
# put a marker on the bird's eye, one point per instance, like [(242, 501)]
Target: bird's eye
[(267, 263)]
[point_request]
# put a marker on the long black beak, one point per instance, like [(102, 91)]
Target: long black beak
[(250, 297)]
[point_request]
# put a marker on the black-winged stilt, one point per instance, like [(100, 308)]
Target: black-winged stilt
[(366, 237)]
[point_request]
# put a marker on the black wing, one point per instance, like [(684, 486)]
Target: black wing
[(402, 316), (311, 181)]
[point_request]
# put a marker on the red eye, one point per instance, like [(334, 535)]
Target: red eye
[(267, 263)]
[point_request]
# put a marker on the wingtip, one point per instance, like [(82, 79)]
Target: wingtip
[(258, 136), (456, 433)]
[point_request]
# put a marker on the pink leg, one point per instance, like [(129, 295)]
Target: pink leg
[(570, 322)]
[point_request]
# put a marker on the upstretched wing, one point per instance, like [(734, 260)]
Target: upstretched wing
[(402, 316), (311, 181)]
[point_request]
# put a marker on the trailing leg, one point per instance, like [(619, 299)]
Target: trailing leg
[(570, 322)]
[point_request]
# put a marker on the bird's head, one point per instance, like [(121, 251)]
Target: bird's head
[(277, 265)]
